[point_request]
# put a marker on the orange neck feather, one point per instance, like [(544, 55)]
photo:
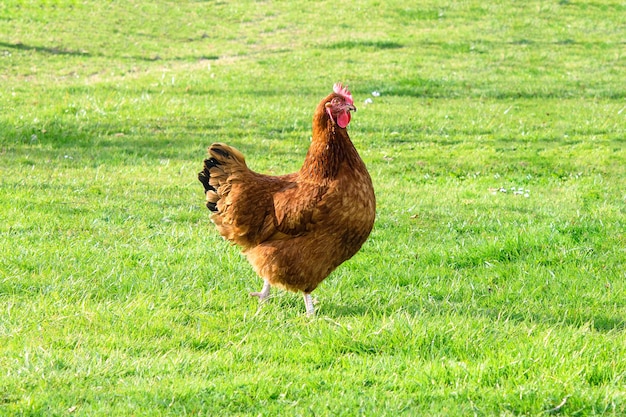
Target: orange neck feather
[(330, 147)]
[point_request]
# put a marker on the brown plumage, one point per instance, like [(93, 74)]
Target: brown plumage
[(296, 229)]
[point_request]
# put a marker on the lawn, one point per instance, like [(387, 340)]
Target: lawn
[(494, 282)]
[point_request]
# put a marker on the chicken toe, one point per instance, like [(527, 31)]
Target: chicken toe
[(264, 293)]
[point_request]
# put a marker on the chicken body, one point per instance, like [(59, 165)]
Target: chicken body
[(296, 229)]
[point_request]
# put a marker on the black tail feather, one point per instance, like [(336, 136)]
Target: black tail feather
[(203, 177)]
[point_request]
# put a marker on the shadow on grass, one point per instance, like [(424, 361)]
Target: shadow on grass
[(43, 49), (599, 322), (447, 89), (121, 144), (19, 46), (362, 45), (334, 310)]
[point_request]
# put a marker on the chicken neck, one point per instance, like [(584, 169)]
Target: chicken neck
[(330, 148)]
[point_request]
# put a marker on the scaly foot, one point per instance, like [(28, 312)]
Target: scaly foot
[(308, 304)]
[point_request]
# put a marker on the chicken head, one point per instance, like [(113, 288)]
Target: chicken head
[(340, 106)]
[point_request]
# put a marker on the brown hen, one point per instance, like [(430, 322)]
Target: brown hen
[(296, 229)]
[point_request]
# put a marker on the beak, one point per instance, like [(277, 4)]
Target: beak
[(351, 107)]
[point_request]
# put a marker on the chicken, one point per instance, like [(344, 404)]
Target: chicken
[(296, 229)]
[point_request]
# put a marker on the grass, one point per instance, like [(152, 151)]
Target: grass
[(493, 283)]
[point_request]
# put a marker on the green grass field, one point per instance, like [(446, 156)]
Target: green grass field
[(494, 282)]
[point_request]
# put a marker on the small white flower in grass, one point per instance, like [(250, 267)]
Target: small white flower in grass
[(368, 101), (511, 191), (376, 93)]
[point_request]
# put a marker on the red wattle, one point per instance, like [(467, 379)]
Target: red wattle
[(343, 119)]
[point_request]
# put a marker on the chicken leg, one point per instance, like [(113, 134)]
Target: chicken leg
[(308, 303), (264, 293)]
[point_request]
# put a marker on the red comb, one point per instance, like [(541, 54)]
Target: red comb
[(338, 88)]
